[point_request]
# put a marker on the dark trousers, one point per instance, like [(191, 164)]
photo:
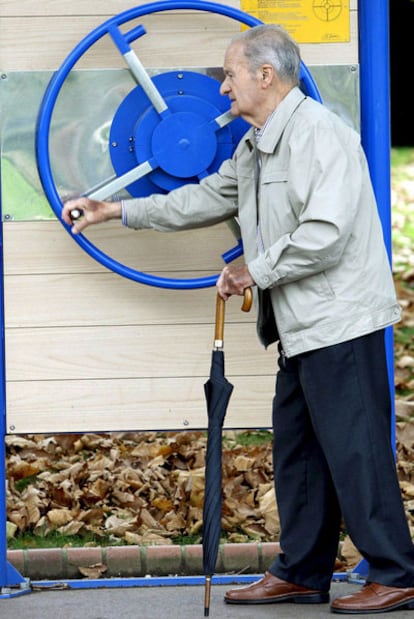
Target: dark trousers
[(333, 459)]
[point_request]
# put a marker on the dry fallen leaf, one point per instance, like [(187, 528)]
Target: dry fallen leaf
[(93, 571), (349, 553)]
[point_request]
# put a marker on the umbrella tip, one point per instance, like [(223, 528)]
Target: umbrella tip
[(207, 592)]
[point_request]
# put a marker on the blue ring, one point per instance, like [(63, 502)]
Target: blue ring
[(45, 117)]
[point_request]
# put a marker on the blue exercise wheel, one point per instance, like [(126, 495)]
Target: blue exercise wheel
[(171, 129)]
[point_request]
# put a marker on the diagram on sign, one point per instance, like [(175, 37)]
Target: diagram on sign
[(327, 10)]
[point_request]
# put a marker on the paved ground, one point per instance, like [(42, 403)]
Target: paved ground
[(58, 589), (183, 602)]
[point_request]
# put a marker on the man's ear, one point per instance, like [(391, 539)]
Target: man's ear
[(267, 73)]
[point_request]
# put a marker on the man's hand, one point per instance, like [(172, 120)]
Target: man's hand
[(234, 280), (89, 212)]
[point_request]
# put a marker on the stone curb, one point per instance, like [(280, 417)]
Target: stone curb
[(139, 561)]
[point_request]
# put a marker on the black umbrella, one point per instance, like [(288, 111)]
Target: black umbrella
[(217, 391)]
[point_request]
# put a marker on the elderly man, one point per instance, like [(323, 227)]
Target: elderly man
[(314, 253)]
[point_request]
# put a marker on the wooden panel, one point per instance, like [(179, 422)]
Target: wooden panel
[(75, 377), (170, 37), (107, 299), (45, 247), (88, 350), (119, 405), (46, 8), (83, 353)]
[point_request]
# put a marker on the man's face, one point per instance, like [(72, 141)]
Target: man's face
[(242, 88)]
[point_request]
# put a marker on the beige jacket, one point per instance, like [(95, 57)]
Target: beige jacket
[(323, 258)]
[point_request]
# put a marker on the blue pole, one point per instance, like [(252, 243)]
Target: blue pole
[(373, 28), (375, 102), (374, 60)]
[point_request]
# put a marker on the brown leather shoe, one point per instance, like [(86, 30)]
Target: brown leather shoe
[(271, 589), (374, 598)]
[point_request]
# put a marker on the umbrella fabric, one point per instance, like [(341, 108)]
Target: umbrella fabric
[(217, 392)]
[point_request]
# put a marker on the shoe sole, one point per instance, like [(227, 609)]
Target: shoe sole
[(401, 605), (312, 598)]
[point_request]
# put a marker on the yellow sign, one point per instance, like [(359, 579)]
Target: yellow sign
[(308, 21)]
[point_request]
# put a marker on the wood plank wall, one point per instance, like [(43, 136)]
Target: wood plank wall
[(89, 350)]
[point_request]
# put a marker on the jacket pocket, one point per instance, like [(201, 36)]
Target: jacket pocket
[(305, 303), (277, 217), (274, 176)]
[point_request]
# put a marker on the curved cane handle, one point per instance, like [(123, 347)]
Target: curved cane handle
[(247, 300), (220, 310)]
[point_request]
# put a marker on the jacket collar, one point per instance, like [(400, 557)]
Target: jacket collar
[(278, 122)]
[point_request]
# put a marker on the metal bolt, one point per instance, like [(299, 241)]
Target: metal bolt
[(12, 428), (186, 422), (180, 76), (4, 76), (114, 144)]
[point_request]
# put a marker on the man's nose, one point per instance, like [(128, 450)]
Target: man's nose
[(223, 87)]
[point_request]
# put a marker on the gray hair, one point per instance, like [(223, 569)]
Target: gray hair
[(271, 44)]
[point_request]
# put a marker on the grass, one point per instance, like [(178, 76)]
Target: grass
[(57, 540), (254, 437), (248, 438), (402, 184)]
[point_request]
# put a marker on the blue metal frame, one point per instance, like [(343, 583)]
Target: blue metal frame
[(373, 31), (164, 581), (375, 131), (374, 42)]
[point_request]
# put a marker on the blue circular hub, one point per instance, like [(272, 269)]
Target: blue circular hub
[(184, 143)]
